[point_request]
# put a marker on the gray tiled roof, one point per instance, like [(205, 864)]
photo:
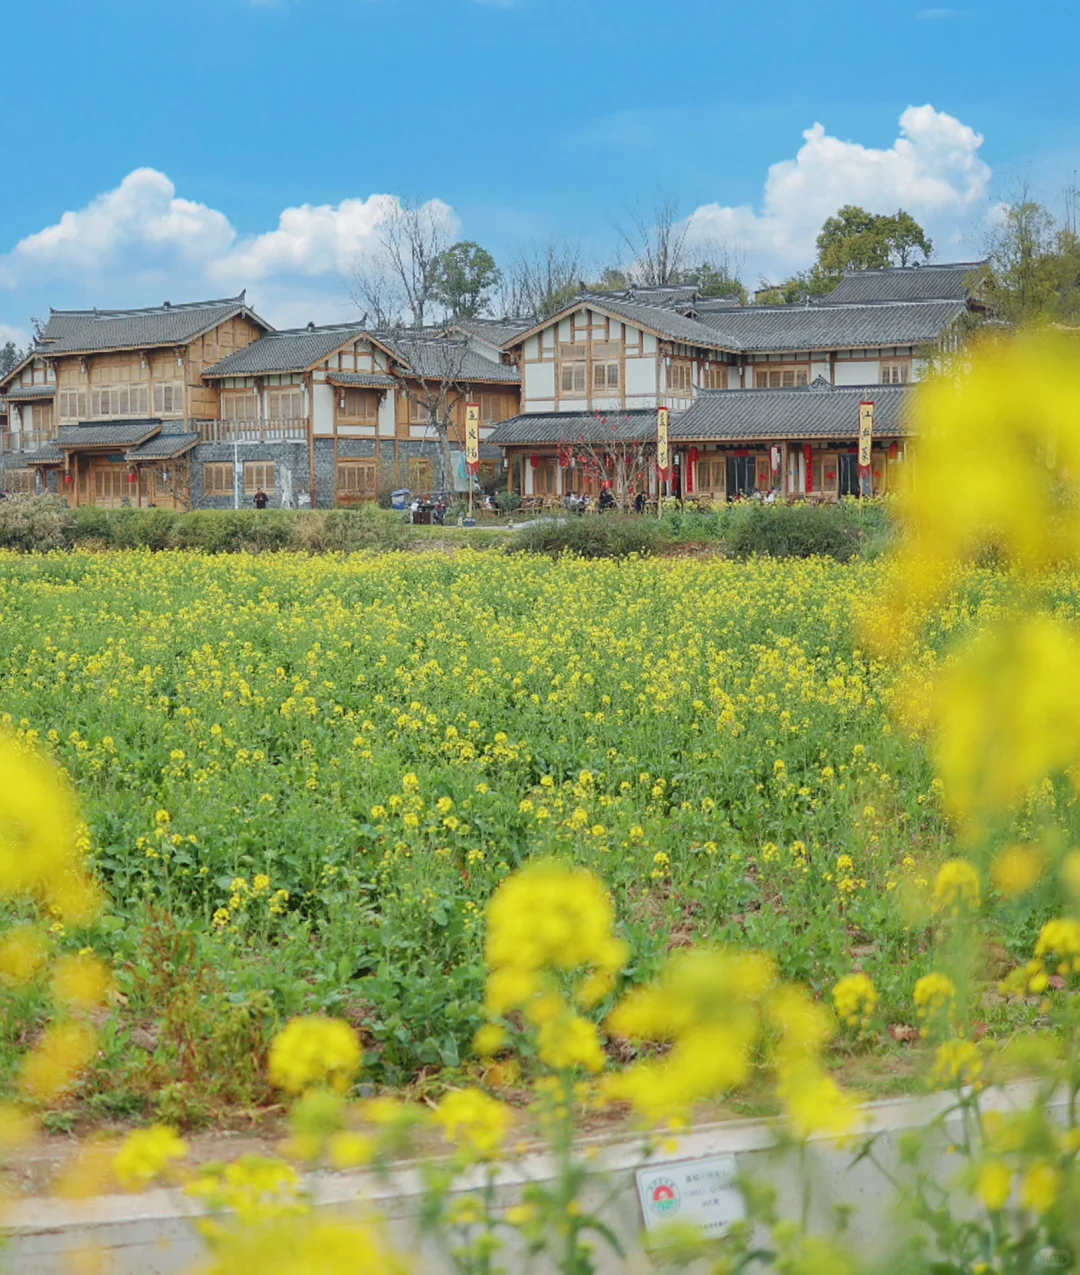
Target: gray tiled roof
[(832, 327), (372, 380), (672, 297), (448, 359), (497, 332), (950, 281), (86, 331), (668, 323), (816, 411), (107, 433), (636, 425), (47, 455), (294, 350), (23, 393), (163, 447)]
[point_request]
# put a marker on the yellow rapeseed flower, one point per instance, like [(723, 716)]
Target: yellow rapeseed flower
[(314, 1051)]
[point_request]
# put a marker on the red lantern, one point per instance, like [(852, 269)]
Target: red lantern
[(894, 451), (808, 456), (534, 461), (693, 455), (133, 477), (831, 475), (68, 479)]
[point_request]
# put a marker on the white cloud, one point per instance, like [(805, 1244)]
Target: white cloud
[(317, 240), (141, 241), (933, 170)]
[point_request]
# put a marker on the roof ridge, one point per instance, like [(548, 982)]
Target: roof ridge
[(166, 307)]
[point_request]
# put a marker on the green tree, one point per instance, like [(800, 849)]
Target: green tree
[(1033, 265), (463, 279), (10, 356)]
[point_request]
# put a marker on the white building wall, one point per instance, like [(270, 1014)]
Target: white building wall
[(538, 382), (641, 377), (821, 369), (388, 414), (858, 373), (322, 408)]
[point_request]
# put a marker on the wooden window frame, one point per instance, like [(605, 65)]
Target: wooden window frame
[(123, 393), (419, 413), (219, 478), (230, 399), (487, 415), (357, 477), (276, 394), (348, 396), (418, 469), (715, 372), (173, 393), (895, 371), (259, 473), (789, 376), (680, 378), (63, 400), (20, 482)]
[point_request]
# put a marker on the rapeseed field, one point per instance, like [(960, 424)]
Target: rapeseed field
[(302, 780)]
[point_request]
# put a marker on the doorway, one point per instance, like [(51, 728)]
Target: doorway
[(741, 476)]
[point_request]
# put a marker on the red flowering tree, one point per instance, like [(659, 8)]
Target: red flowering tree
[(610, 453)]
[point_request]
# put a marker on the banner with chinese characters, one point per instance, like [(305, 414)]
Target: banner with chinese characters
[(866, 434), (472, 436), (663, 451)]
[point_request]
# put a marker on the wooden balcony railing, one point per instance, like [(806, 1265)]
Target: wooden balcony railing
[(15, 442), (264, 431)]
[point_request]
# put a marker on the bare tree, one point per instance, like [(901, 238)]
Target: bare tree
[(657, 242), (400, 278), (430, 373), (542, 279)]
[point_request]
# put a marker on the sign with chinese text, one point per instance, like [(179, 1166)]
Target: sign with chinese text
[(866, 434), (700, 1192), (472, 435), (663, 451)]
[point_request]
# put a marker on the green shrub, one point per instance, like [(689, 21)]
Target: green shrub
[(88, 522), (589, 536), (508, 501), (792, 531), (32, 522)]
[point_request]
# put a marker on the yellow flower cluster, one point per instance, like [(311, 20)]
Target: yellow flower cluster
[(474, 1121), (935, 998), (146, 1154), (314, 1051), (855, 998), (956, 887)]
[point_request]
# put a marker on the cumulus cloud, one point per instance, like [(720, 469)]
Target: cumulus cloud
[(142, 237), (933, 169)]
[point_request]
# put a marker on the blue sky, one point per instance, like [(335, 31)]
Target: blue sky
[(190, 148)]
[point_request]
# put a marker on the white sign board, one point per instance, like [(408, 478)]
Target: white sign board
[(699, 1192)]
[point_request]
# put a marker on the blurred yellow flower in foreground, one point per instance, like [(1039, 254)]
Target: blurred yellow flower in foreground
[(146, 1154), (314, 1051)]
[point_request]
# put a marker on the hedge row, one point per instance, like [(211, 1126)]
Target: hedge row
[(45, 522)]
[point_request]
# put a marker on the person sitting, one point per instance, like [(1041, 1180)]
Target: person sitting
[(607, 500), (640, 502)]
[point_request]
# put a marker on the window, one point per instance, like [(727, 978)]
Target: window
[(258, 473), (218, 479), (120, 400), (43, 422), (20, 481), (573, 368), (419, 474), (605, 377), (780, 378), (544, 478), (710, 474), (419, 413), (169, 398), (111, 483), (896, 373), (715, 377), (493, 409), (741, 475), (72, 405), (285, 405), (358, 405), (356, 479), (573, 480), (679, 378), (239, 407)]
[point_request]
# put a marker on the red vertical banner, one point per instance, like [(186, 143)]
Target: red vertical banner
[(808, 458)]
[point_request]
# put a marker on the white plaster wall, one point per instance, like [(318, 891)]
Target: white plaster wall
[(388, 414), (861, 373), (820, 369), (573, 405), (538, 381), (322, 408), (919, 369), (641, 376), (648, 343)]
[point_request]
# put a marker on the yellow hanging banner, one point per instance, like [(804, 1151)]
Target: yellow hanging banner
[(866, 434), (663, 452), (472, 434)]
